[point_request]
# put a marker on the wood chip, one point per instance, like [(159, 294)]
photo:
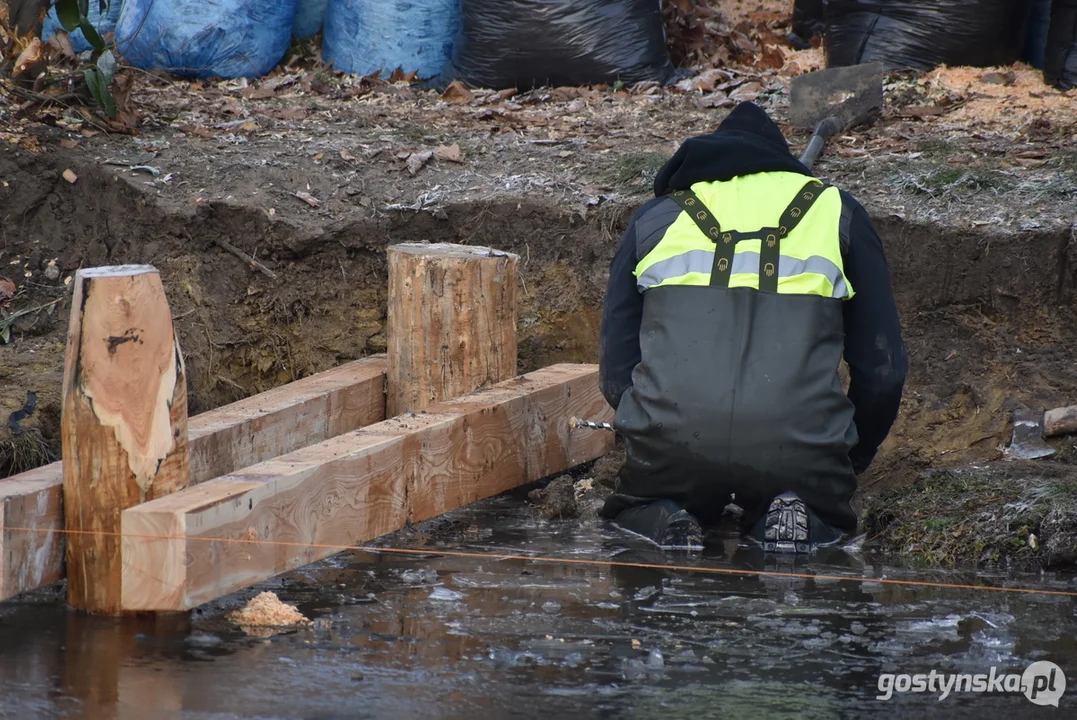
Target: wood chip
[(308, 198), (31, 55), (70, 176)]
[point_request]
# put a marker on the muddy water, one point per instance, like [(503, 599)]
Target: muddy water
[(438, 636)]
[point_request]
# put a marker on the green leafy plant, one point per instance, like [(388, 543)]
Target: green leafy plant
[(6, 320), (73, 15)]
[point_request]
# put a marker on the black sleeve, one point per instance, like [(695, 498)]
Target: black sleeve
[(618, 345), (873, 346)]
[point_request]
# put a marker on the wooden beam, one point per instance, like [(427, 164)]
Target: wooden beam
[(288, 417), (228, 438), (123, 423), (240, 529), (451, 322), (31, 530)]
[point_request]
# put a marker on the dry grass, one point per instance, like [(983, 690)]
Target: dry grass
[(25, 451), (1022, 515)]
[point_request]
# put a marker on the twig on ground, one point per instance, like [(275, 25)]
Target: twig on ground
[(7, 320), (225, 245)]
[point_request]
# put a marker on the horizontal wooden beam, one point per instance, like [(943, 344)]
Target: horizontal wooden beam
[(230, 437), (204, 542), (31, 530)]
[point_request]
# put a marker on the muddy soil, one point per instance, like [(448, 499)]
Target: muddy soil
[(980, 241)]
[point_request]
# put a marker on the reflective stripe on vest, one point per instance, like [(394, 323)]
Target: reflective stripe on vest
[(809, 263)]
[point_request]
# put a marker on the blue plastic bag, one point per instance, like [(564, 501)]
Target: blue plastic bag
[(103, 22), (206, 38), (309, 16), (364, 36)]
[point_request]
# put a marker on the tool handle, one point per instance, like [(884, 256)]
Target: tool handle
[(1060, 421), (823, 132)]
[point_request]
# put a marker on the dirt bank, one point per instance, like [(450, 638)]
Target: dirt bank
[(316, 185), (1017, 516)]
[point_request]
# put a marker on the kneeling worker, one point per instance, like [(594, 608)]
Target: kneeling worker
[(733, 296)]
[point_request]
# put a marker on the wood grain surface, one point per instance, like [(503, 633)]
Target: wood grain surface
[(231, 532), (451, 322), (230, 437)]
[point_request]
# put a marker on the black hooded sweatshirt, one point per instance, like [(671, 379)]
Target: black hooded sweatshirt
[(748, 142)]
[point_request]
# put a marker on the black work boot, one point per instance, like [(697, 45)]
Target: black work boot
[(790, 526), (663, 522)]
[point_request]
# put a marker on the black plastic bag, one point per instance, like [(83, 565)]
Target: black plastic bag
[(808, 18), (1060, 58), (529, 43), (923, 34)]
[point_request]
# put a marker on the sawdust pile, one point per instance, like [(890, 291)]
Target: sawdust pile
[(999, 97), (267, 610)]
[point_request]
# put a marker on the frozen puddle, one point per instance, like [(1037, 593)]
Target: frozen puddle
[(442, 636)]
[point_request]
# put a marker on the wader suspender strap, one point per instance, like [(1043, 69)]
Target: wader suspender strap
[(725, 245), (770, 238), (770, 245)]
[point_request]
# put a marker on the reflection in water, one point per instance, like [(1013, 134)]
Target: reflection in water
[(439, 636)]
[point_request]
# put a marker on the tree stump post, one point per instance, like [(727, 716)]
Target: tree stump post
[(123, 424), (452, 322)]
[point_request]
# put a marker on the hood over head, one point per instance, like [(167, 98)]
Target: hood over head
[(747, 141)]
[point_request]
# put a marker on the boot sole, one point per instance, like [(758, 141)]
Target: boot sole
[(682, 532), (786, 528)]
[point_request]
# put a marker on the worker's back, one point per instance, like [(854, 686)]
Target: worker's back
[(740, 342)]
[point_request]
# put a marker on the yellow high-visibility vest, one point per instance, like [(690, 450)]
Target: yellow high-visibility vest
[(775, 231)]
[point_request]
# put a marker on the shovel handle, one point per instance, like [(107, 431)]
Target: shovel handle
[(1060, 421), (823, 132)]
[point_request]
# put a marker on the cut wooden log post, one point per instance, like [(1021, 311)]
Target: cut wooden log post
[(227, 438), (451, 322), (124, 420), (240, 529)]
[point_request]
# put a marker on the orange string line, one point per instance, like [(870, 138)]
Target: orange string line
[(555, 560)]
